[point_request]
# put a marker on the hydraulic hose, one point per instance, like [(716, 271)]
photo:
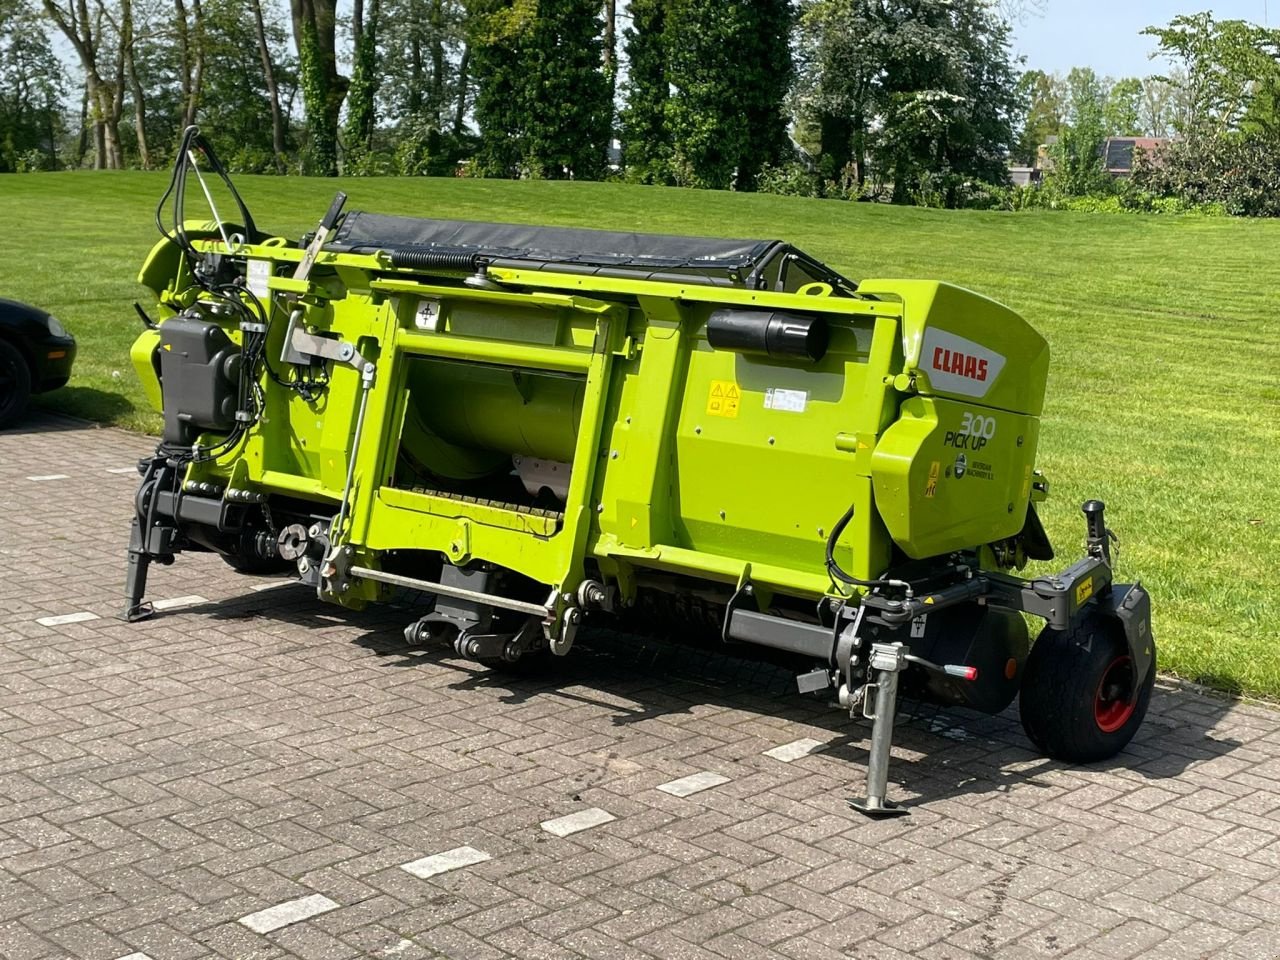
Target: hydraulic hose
[(837, 574)]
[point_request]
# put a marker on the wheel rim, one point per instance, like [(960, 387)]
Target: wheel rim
[(1116, 699)]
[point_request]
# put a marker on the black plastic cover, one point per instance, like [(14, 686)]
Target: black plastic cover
[(362, 232), (199, 379)]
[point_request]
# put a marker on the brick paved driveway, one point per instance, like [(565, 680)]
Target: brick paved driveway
[(248, 775)]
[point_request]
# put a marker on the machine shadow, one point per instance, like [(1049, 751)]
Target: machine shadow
[(40, 420), (939, 752)]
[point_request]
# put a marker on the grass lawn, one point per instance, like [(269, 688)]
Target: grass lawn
[(1164, 396)]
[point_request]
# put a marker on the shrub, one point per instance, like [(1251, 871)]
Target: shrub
[(788, 180)]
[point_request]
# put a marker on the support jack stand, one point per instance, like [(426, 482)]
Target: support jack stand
[(887, 660)]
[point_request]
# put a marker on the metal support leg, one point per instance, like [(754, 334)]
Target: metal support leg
[(887, 662), (135, 582)]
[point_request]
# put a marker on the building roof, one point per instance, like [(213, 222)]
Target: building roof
[(1119, 152)]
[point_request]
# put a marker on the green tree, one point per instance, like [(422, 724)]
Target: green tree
[(362, 115), (1043, 96), (323, 87), (646, 144), (1078, 165), (1158, 106), (917, 94), (950, 99), (542, 100), (1122, 114), (840, 46), (1217, 65), (30, 91), (236, 100), (425, 70), (729, 65)]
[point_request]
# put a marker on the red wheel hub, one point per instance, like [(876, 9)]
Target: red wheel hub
[(1116, 698)]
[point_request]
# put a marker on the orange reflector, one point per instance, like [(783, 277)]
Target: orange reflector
[(1011, 669), (57, 354)]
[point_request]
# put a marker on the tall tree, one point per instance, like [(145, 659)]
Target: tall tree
[(1043, 96), (192, 49), (323, 87), (423, 65), (273, 88), (84, 28), (840, 44), (236, 108), (31, 88), (542, 100), (1217, 63), (646, 145), (1078, 164), (1122, 114), (1157, 106), (729, 66), (361, 112), (129, 68), (905, 92)]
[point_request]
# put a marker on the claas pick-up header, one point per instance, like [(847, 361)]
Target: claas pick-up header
[(533, 426)]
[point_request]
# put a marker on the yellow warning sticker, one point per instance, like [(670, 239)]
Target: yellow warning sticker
[(931, 487), (1084, 591), (724, 399)]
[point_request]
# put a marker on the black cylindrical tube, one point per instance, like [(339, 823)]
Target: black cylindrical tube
[(769, 333)]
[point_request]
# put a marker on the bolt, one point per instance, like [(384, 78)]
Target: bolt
[(1019, 441), (771, 441), (628, 419), (304, 565), (721, 514), (614, 455), (346, 588), (599, 508), (820, 532), (697, 430)]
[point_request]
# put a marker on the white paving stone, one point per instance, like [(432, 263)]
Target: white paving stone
[(81, 617), (49, 476), (188, 601), (272, 584), (795, 750), (577, 822), (283, 914), (444, 862), (134, 956), (694, 783)]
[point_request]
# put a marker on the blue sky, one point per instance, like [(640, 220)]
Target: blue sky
[(1103, 34)]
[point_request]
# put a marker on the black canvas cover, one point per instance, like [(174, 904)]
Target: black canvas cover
[(362, 232)]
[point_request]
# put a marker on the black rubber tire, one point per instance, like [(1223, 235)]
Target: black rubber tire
[(1062, 703), (15, 384)]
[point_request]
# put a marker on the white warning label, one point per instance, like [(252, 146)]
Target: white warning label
[(792, 401)]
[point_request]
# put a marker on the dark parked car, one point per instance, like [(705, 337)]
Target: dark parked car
[(35, 356)]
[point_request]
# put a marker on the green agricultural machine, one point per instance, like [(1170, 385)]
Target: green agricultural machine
[(535, 426)]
